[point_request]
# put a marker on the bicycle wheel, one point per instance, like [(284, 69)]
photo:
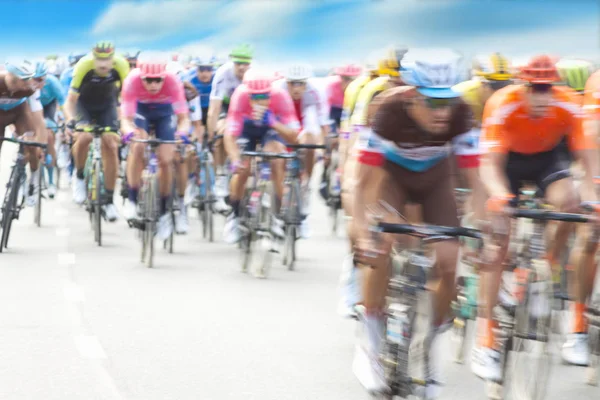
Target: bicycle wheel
[(9, 206), (37, 214), (291, 230), (97, 206), (171, 206), (150, 215), (208, 212), (246, 234), (531, 342)]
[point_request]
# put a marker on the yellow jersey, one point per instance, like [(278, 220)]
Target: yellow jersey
[(95, 89), (350, 96), (370, 90), (469, 91)]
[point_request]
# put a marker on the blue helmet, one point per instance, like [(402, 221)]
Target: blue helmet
[(41, 69), (433, 72), (203, 62), (75, 57), (22, 70)]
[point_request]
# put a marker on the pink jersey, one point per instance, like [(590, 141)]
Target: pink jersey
[(335, 94), (280, 104), (133, 92)]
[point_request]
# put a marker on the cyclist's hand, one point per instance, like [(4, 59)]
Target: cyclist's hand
[(126, 138), (183, 136)]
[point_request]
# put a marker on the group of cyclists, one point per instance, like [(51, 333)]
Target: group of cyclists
[(409, 127)]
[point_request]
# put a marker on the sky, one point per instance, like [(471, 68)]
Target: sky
[(322, 32)]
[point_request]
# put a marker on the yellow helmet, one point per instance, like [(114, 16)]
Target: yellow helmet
[(494, 67), (389, 63), (574, 73)]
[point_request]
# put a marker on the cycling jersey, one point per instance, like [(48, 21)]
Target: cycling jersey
[(240, 110), (369, 91), (195, 109), (171, 93), (469, 91), (350, 97), (203, 88), (397, 138), (224, 84), (65, 79), (52, 91), (591, 98), (98, 91), (508, 127), (334, 92), (311, 109)]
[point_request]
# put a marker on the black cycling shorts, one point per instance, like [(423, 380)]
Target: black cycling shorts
[(542, 169), (104, 117), (50, 110), (204, 115)]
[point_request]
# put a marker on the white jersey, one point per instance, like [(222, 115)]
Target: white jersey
[(314, 97), (195, 109), (224, 83)]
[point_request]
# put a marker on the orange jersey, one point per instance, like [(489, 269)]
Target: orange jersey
[(591, 98), (508, 127)]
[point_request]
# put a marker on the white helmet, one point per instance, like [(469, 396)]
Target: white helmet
[(175, 67), (24, 69), (433, 72), (299, 72)]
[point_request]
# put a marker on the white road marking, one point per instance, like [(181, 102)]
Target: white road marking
[(90, 347)]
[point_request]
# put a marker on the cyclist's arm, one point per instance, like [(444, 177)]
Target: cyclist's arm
[(70, 107), (287, 124), (37, 115), (214, 109), (181, 108), (585, 150), (128, 107)]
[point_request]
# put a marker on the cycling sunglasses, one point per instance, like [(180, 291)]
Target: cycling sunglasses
[(260, 96), (435, 103), (497, 85), (540, 87), (297, 83), (205, 69), (153, 80), (241, 63)]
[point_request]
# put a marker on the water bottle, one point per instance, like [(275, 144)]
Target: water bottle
[(397, 327), (253, 203)]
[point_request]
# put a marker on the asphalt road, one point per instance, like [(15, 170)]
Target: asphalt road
[(80, 321)]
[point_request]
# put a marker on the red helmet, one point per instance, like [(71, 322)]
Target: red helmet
[(350, 70), (540, 69), (258, 82), (152, 69)]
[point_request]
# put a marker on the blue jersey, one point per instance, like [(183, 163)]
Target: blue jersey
[(65, 79), (52, 91), (203, 88)]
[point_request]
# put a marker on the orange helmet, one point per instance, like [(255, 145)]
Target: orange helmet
[(540, 69)]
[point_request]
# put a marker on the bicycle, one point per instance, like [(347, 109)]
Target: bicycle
[(149, 199), (334, 199), (206, 179), (410, 274), (291, 203), (593, 316), (94, 178), (173, 205), (530, 319), (256, 210), (16, 187)]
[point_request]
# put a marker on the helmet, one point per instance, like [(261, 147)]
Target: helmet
[(540, 69), (131, 57), (175, 68), (350, 70), (103, 50), (299, 72), (75, 57), (242, 53), (389, 63), (258, 82), (433, 72), (574, 73), (41, 69), (203, 62), (22, 70), (184, 59), (495, 67), (152, 69), (60, 64)]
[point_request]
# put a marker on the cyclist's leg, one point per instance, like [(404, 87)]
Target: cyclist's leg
[(80, 150), (110, 150), (221, 184), (165, 130), (309, 135), (28, 121), (219, 148), (274, 143), (135, 167)]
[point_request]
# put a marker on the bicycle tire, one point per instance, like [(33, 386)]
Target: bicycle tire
[(150, 216), (208, 207), (37, 214), (8, 206), (98, 202), (171, 204), (293, 216), (519, 385), (246, 237)]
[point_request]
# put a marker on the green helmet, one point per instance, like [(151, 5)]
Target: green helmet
[(574, 73), (242, 53)]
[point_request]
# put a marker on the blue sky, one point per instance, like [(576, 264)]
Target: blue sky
[(318, 31)]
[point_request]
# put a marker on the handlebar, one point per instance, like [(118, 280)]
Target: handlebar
[(95, 129), (428, 231), (268, 154), (543, 215), (24, 143), (155, 142), (306, 146)]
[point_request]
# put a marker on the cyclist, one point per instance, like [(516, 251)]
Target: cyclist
[(227, 78), (158, 96), (335, 85), (131, 59), (52, 97), (202, 78), (404, 157), (20, 105), (523, 131), (67, 75), (262, 115), (311, 110), (574, 74), (93, 99)]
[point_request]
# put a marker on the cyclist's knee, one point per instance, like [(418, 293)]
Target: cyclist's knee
[(447, 257)]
